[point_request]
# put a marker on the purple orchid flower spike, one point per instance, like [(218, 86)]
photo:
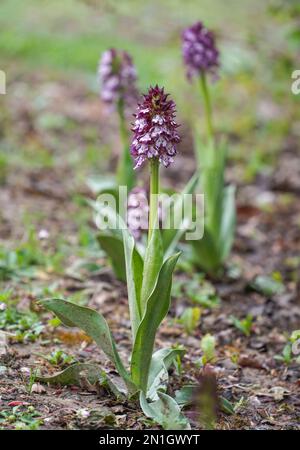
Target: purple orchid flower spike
[(117, 77), (155, 129), (199, 51), (137, 211)]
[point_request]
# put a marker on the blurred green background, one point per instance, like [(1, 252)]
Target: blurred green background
[(53, 41)]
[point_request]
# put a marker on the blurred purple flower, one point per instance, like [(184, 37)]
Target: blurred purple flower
[(199, 50), (155, 134), (137, 211), (117, 77)]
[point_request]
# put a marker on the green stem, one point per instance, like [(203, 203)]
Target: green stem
[(123, 129), (154, 191), (207, 107), (125, 174)]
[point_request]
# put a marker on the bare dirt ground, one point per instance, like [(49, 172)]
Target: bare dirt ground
[(264, 390)]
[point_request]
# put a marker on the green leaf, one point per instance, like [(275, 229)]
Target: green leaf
[(113, 247), (212, 250), (158, 373), (287, 353), (295, 336), (212, 182), (204, 152), (186, 395), (74, 374), (267, 285), (94, 325), (244, 325), (172, 236), (165, 411), (208, 344), (226, 406), (205, 253), (134, 277), (152, 264), (228, 222), (190, 319), (133, 266), (116, 387), (156, 309), (125, 172)]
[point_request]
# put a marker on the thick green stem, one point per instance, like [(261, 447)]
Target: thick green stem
[(154, 192), (207, 107)]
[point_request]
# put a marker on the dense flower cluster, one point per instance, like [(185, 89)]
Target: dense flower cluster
[(137, 211), (155, 129), (199, 50), (117, 77)]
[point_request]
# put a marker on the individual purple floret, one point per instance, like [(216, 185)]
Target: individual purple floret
[(117, 77), (199, 50), (137, 211), (155, 129)]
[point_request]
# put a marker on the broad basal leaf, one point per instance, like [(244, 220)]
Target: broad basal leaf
[(165, 411), (75, 374), (93, 324), (186, 395), (156, 309), (158, 374)]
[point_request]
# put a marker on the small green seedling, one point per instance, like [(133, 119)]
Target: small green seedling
[(198, 291), (25, 326), (268, 286), (20, 418), (190, 319), (291, 350), (59, 358), (208, 346), (30, 383), (244, 325)]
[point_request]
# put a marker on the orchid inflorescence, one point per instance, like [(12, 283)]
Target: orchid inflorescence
[(117, 77), (155, 130), (137, 211), (199, 50)]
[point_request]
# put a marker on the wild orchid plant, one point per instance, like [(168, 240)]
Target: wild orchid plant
[(201, 58), (149, 282)]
